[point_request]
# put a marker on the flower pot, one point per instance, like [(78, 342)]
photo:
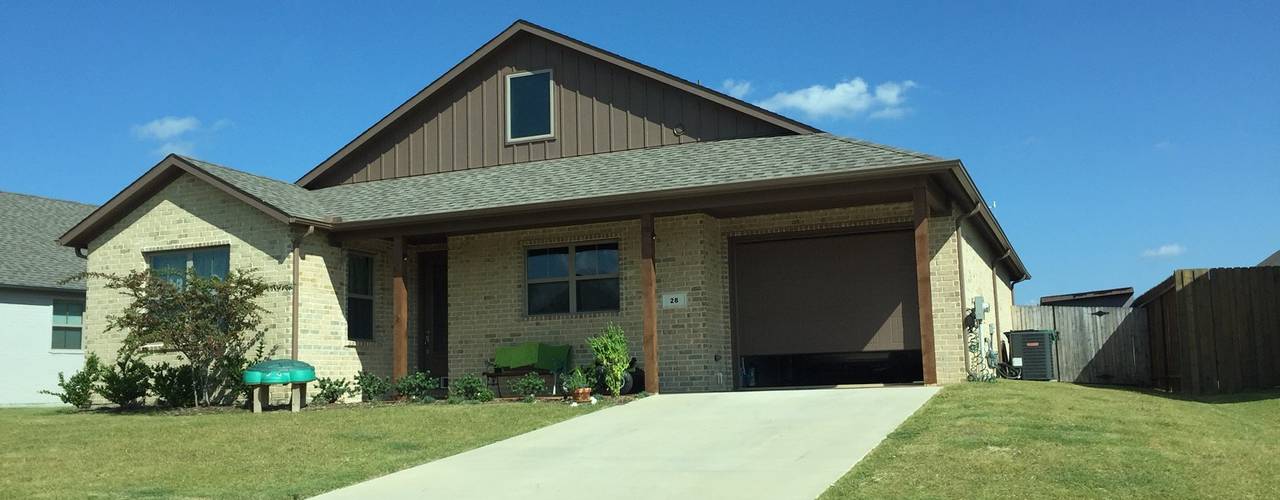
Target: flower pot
[(582, 395)]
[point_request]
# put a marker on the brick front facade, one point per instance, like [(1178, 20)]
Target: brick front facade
[(487, 286)]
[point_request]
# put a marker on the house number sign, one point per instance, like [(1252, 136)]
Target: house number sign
[(678, 300)]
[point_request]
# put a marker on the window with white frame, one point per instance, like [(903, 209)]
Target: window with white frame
[(67, 324), (572, 279), (530, 106), (359, 296)]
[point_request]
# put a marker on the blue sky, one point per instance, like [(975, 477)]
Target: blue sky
[(1116, 140)]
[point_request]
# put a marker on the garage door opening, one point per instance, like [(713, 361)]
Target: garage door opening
[(826, 309)]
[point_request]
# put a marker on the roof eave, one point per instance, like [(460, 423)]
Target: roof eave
[(158, 176), (869, 173)]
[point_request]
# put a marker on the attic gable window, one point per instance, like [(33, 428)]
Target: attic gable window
[(530, 106)]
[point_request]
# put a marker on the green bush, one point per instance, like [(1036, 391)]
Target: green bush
[(331, 390), (530, 385), (469, 387), (418, 386), (77, 391), (575, 380), (127, 381), (612, 354), (173, 384), (372, 387)]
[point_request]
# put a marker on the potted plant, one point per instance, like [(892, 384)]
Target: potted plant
[(578, 386)]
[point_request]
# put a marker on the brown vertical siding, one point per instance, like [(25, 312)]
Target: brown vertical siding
[(600, 108)]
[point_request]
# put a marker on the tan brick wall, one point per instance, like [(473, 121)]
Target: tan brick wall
[(487, 297), (189, 213), (948, 316), (486, 289)]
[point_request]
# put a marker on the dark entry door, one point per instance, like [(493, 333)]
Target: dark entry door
[(433, 330)]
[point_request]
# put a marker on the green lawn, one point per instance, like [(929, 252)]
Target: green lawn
[(1053, 440), (58, 453)]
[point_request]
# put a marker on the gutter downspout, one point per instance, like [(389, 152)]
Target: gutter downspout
[(297, 282)]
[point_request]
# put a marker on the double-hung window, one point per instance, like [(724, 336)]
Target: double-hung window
[(67, 324), (530, 106), (572, 279), (359, 296), (206, 262)]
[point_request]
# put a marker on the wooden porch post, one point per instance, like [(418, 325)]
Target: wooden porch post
[(400, 312), (649, 286), (924, 289)]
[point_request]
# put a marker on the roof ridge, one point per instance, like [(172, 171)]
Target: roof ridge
[(861, 142), (49, 198), (233, 169)]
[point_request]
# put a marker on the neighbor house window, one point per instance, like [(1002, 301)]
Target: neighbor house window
[(530, 106), (67, 322), (206, 262), (359, 296), (571, 279)]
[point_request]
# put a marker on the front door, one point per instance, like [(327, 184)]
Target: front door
[(433, 332)]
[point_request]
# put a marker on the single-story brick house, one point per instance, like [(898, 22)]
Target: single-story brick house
[(543, 188), (40, 314)]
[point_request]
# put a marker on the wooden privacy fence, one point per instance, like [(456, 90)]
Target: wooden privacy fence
[(1096, 345), (1215, 330)]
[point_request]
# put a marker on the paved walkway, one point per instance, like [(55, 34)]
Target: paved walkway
[(774, 445)]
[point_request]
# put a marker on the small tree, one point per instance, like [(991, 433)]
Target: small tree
[(213, 322), (612, 354)]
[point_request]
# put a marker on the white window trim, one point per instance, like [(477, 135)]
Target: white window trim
[(551, 90)]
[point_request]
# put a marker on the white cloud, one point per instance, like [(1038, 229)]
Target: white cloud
[(178, 134), (1165, 144), (736, 88), (846, 99), (1169, 250), (177, 148), (165, 128)]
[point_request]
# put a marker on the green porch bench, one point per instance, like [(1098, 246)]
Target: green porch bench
[(531, 357)]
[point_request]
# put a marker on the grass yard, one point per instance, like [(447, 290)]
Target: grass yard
[(55, 453), (1053, 440)]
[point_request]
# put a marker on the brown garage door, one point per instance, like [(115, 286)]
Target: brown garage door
[(829, 294)]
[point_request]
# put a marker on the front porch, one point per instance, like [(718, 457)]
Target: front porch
[(446, 294)]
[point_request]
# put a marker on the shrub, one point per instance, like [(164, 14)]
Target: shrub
[(530, 385), (331, 390), (127, 381), (575, 380), (213, 322), (613, 356), (469, 387), (77, 391), (418, 386), (372, 387), (173, 384)]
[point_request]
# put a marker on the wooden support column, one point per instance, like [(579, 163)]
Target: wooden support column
[(649, 286), (924, 288), (400, 312)]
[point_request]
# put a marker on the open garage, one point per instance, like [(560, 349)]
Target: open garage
[(826, 308)]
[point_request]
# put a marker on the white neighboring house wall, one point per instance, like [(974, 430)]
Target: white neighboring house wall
[(28, 363)]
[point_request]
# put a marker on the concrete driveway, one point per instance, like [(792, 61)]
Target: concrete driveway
[(774, 445)]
